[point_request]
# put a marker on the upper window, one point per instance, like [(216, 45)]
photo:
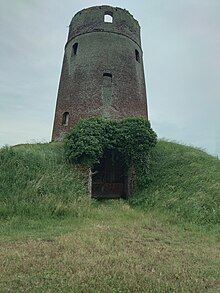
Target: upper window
[(108, 17), (74, 50), (65, 119), (107, 79), (137, 56)]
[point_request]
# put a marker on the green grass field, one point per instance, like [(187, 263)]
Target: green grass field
[(54, 239)]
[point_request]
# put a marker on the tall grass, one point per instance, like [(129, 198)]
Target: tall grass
[(185, 182), (36, 181)]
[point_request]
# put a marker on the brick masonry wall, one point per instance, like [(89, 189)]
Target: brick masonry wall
[(103, 48)]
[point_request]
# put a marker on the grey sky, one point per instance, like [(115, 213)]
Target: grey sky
[(181, 43)]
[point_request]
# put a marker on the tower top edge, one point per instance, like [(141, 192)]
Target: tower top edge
[(107, 8)]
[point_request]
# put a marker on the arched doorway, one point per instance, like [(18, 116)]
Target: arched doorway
[(109, 177)]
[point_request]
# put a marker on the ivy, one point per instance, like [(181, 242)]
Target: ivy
[(131, 138)]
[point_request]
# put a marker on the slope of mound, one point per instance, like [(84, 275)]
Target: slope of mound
[(185, 181), (35, 180)]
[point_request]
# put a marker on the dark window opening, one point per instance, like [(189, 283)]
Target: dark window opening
[(65, 119), (107, 79), (108, 17), (107, 75), (75, 47), (137, 56)]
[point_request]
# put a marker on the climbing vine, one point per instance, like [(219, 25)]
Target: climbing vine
[(132, 138)]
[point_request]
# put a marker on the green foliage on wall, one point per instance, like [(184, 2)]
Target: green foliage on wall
[(131, 138)]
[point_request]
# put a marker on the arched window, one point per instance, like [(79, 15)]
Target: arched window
[(65, 118), (74, 49), (108, 17), (107, 79), (137, 56)]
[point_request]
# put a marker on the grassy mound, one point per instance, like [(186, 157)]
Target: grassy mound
[(36, 181), (185, 182)]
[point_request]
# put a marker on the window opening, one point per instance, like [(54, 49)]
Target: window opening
[(137, 56), (108, 17), (65, 119), (75, 47), (107, 79)]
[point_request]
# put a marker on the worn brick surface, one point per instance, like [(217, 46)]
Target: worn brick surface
[(102, 48)]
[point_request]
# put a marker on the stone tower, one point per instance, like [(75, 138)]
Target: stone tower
[(102, 73)]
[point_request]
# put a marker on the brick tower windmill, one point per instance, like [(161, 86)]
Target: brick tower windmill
[(102, 76), (102, 73)]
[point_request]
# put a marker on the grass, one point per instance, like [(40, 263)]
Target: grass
[(185, 182), (114, 249), (36, 181), (53, 239)]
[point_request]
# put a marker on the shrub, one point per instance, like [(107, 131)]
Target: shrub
[(131, 138)]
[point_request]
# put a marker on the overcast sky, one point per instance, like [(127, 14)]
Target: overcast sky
[(181, 44)]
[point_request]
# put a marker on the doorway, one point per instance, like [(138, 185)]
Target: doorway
[(109, 177)]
